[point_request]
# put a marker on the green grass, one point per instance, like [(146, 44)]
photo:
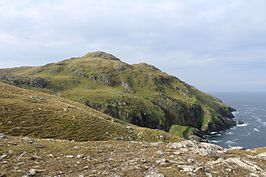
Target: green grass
[(182, 131), (31, 113), (101, 78)]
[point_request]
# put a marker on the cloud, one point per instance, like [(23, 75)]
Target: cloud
[(181, 37)]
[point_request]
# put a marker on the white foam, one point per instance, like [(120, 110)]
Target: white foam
[(215, 141), (242, 125), (235, 113), (213, 133), (256, 130), (259, 120)]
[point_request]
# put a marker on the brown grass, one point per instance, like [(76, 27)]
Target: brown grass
[(31, 113)]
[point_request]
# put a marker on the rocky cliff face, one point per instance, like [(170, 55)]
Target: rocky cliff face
[(140, 94)]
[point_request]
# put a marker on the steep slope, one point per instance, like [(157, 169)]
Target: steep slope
[(140, 94), (31, 113)]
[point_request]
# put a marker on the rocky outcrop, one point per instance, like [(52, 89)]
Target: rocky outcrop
[(25, 81), (177, 112), (228, 113), (142, 113), (52, 157), (221, 124)]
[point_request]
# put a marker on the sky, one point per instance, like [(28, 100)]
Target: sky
[(215, 45)]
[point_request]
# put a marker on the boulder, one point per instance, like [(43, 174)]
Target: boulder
[(250, 166), (28, 140), (152, 172)]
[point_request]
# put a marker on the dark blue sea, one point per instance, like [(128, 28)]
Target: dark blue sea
[(251, 109)]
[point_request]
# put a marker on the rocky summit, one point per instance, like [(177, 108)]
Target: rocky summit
[(139, 94)]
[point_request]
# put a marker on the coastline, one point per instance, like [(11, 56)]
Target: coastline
[(250, 118)]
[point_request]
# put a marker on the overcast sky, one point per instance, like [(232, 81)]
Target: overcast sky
[(215, 45)]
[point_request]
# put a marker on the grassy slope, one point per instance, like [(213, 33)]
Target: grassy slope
[(182, 131), (26, 112), (140, 94)]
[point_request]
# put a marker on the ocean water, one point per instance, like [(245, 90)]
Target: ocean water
[(251, 109)]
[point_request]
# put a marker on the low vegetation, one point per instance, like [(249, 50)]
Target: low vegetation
[(140, 94), (41, 157), (182, 131), (31, 113)]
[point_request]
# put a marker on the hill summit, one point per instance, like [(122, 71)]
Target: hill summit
[(139, 94), (102, 55)]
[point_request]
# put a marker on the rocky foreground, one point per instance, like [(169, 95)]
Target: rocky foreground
[(24, 156)]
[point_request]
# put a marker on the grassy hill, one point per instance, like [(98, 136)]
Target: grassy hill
[(31, 113), (140, 94)]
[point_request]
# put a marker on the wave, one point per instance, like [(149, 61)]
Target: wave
[(230, 142), (256, 130), (242, 125), (255, 117), (235, 113), (214, 141), (213, 133)]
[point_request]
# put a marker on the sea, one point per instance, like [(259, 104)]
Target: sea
[(251, 109)]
